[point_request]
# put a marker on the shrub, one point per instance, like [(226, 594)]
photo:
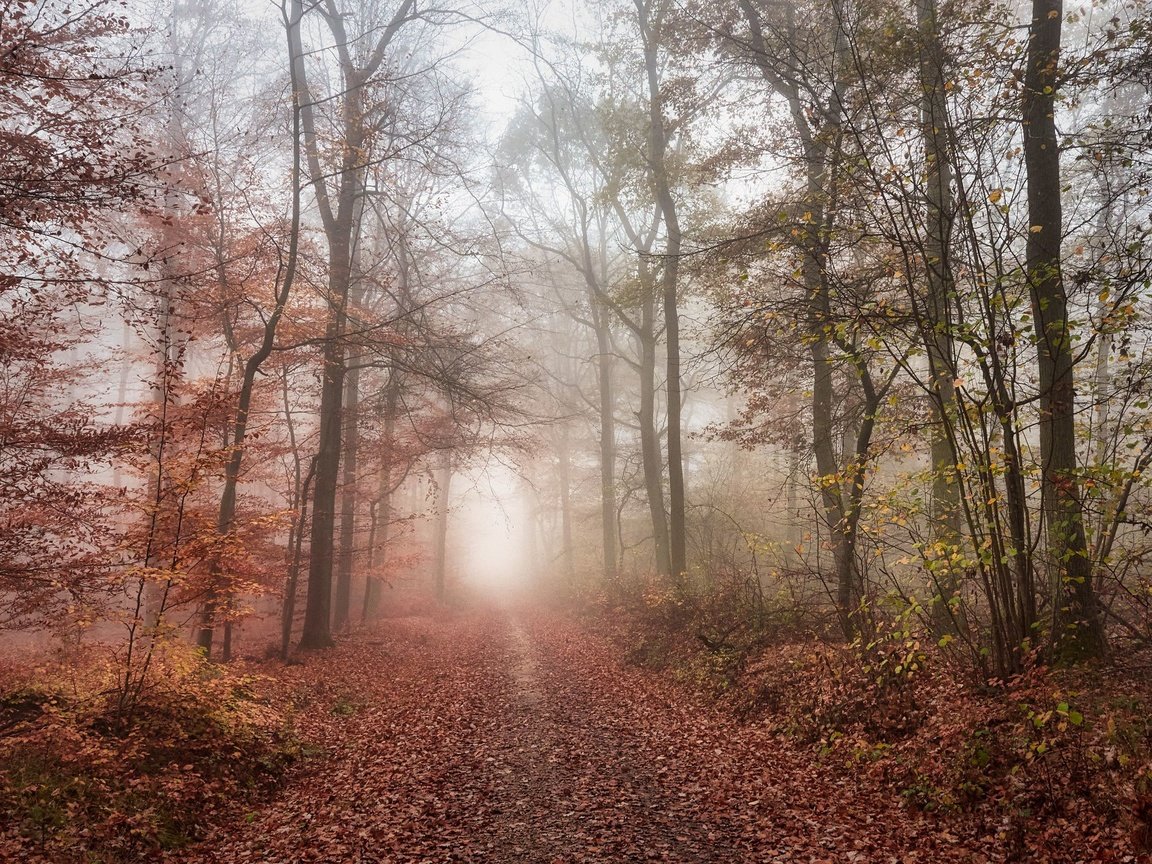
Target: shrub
[(79, 782)]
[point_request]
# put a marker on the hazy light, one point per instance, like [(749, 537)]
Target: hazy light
[(488, 526)]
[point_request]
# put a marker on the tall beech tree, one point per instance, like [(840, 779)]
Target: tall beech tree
[(337, 189), (651, 19), (940, 212), (283, 283), (1077, 624), (806, 65)]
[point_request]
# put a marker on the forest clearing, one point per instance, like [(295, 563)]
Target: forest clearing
[(575, 430)]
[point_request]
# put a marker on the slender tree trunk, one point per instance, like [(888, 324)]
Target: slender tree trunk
[(170, 334), (288, 613), (443, 494), (339, 218), (607, 395), (373, 530), (650, 25), (1100, 439), (1077, 628), (296, 528), (564, 476), (349, 490), (936, 327), (820, 147), (226, 513), (795, 521), (827, 465), (531, 536), (677, 519), (651, 455), (378, 548), (349, 498), (317, 614), (122, 393)]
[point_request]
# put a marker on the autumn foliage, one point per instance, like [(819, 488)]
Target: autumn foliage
[(807, 343), (70, 153), (79, 778)]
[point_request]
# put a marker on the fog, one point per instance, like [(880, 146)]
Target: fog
[(582, 298), (490, 523), (439, 361)]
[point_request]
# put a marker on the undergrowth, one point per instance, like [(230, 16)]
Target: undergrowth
[(1050, 746), (80, 781)]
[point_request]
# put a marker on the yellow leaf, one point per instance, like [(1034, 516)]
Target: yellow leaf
[(995, 195), (1036, 229)]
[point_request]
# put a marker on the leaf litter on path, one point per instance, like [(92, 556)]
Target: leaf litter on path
[(520, 737)]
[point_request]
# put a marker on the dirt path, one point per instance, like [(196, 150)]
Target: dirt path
[(506, 737)]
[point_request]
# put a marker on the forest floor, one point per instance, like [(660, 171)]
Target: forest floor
[(519, 736)]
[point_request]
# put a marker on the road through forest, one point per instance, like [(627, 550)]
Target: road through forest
[(516, 736)]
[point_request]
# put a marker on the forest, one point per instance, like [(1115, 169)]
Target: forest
[(575, 431)]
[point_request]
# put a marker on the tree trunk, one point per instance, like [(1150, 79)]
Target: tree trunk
[(349, 498), (1077, 629), (444, 481), (339, 225), (564, 476), (651, 455), (122, 393), (670, 268), (338, 213), (607, 444), (226, 513), (531, 539), (378, 548), (936, 326), (300, 484), (821, 152), (288, 613), (317, 616)]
